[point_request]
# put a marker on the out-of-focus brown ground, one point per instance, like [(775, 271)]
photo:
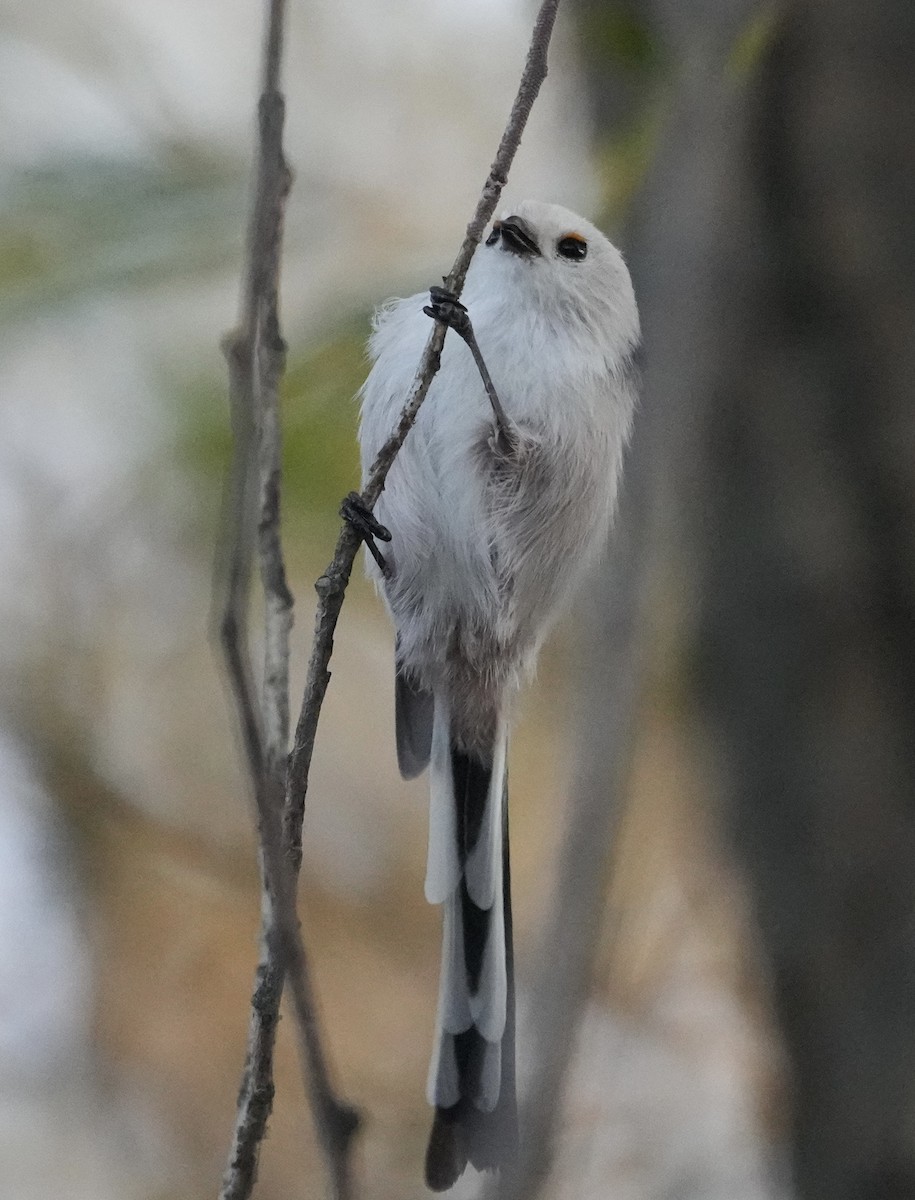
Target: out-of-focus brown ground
[(175, 915)]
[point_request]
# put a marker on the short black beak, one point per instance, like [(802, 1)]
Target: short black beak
[(518, 237)]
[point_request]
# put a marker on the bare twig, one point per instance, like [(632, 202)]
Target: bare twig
[(256, 356), (456, 316), (337, 1123)]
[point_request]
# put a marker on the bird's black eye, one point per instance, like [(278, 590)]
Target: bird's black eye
[(572, 246), (494, 236)]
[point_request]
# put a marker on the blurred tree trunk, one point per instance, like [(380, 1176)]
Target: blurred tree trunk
[(801, 467), (808, 559)]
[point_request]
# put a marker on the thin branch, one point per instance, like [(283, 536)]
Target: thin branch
[(256, 355), (337, 1121)]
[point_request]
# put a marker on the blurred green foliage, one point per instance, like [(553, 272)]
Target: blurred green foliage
[(750, 48), (82, 226), (617, 35), (625, 68), (623, 160), (625, 60), (320, 457)]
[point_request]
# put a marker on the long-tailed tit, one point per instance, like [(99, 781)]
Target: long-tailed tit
[(500, 497)]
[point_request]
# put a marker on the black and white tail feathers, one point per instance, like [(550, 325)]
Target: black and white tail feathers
[(472, 1074)]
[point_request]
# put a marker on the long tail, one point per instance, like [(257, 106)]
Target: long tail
[(472, 1074)]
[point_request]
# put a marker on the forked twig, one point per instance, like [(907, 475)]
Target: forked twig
[(282, 947), (256, 357)]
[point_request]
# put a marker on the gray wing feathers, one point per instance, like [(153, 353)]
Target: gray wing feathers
[(413, 711)]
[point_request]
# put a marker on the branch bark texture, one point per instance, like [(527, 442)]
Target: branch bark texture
[(256, 357)]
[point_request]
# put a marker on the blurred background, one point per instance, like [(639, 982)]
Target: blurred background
[(750, 1030)]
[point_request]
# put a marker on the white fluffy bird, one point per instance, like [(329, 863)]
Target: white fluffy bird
[(496, 505)]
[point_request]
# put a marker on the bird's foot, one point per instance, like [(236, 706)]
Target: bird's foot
[(357, 513), (444, 306)]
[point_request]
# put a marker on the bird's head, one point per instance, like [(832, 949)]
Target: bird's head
[(545, 255)]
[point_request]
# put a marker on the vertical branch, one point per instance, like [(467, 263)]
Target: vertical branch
[(269, 363), (256, 357)]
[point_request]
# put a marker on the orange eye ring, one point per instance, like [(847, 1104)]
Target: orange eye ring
[(572, 246)]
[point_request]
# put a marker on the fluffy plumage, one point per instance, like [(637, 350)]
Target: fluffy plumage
[(487, 544)]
